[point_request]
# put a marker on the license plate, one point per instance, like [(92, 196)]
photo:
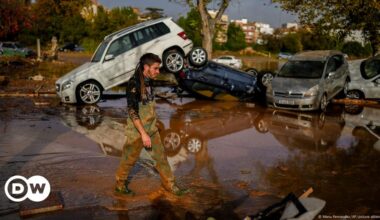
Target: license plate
[(286, 102)]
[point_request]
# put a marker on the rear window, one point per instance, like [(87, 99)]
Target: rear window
[(161, 28), (370, 68), (302, 69)]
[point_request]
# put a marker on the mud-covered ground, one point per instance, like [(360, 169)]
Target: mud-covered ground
[(236, 158)]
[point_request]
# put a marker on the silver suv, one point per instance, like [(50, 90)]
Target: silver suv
[(115, 59), (309, 80)]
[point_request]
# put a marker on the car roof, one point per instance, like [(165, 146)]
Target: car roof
[(136, 26), (317, 55)]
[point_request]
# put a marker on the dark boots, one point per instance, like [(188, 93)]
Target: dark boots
[(175, 190), (122, 188)]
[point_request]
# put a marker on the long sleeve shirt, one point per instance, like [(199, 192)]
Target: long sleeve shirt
[(134, 96)]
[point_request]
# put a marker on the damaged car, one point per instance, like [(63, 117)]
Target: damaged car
[(115, 59), (309, 80), (219, 82), (365, 79)]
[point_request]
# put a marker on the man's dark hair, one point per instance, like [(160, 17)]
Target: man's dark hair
[(149, 59)]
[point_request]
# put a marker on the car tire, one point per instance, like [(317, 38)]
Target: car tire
[(355, 94), (265, 78), (198, 57), (89, 116), (171, 141), (323, 103), (173, 61), (194, 144), (89, 92), (252, 71)]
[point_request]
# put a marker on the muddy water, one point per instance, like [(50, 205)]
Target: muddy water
[(236, 158)]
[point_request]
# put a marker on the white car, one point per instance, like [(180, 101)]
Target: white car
[(115, 59), (365, 79), (229, 61)]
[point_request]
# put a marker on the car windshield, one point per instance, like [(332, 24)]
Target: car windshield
[(99, 52), (302, 69)]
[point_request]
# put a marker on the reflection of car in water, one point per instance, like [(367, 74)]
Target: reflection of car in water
[(196, 122), (308, 131), (366, 125)]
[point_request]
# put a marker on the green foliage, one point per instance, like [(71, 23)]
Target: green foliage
[(106, 23), (236, 38), (89, 44), (317, 41), (291, 43), (14, 17), (343, 16), (354, 48), (191, 24)]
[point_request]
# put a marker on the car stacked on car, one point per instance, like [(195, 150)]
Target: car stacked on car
[(115, 59)]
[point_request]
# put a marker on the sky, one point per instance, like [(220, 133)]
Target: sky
[(253, 10)]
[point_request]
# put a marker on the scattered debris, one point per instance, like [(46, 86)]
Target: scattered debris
[(292, 207), (54, 202), (38, 77), (348, 101)]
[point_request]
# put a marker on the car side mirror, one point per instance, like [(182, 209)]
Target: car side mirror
[(109, 57), (377, 82), (330, 75)]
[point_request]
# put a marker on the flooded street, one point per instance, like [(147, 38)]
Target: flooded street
[(236, 158)]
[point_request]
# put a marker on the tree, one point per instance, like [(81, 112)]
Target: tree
[(236, 38), (339, 16), (208, 22), (291, 43), (14, 17), (51, 16), (192, 26)]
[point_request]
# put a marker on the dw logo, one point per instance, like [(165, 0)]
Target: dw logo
[(18, 188)]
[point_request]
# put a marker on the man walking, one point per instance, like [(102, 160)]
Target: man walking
[(141, 127)]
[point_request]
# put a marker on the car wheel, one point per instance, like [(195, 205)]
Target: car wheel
[(171, 141), (354, 94), (321, 120), (89, 92), (252, 71), (265, 78), (194, 145), (89, 116), (173, 61), (198, 57), (323, 104)]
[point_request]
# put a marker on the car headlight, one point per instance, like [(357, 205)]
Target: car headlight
[(313, 91), (67, 85)]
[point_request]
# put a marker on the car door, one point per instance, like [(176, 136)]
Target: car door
[(330, 77), (340, 73), (121, 63)]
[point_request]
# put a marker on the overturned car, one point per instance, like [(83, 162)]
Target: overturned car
[(220, 82)]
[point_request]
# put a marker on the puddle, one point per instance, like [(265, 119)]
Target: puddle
[(237, 158)]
